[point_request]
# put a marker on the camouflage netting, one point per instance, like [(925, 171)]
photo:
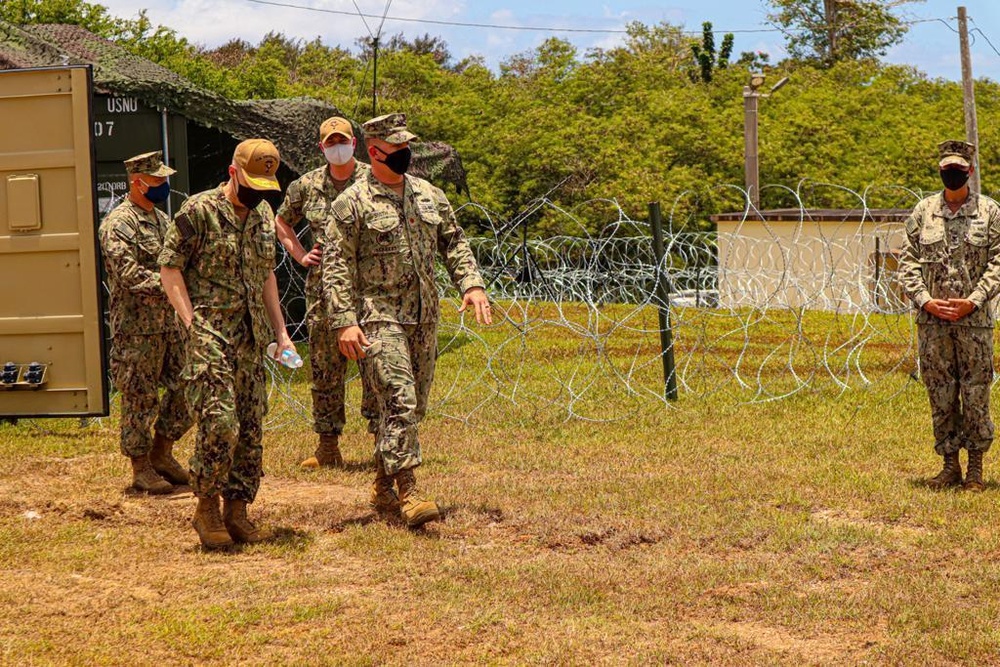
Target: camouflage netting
[(291, 123)]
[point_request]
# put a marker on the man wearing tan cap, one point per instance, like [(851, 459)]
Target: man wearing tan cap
[(385, 233), (146, 347), (217, 268), (950, 268), (311, 198)]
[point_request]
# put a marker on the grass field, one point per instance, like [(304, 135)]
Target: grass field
[(792, 532)]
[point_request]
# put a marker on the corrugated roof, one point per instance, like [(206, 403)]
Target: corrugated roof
[(290, 123)]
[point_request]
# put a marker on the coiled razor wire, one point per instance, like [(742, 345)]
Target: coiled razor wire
[(758, 312)]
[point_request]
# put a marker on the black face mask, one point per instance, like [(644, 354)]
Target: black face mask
[(399, 161), (954, 179), (249, 197)]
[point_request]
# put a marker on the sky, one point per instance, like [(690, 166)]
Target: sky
[(932, 45)]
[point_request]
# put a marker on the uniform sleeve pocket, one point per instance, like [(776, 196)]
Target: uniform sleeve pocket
[(428, 212), (979, 233), (149, 243), (931, 234)]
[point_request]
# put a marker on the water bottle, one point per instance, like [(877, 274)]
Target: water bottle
[(288, 358)]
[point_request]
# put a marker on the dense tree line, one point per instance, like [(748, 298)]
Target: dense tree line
[(659, 117)]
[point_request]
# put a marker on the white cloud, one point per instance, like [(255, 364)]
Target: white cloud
[(214, 22)]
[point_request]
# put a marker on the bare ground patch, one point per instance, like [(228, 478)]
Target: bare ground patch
[(819, 649)]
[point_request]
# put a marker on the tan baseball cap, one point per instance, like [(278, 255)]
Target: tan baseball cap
[(258, 160), (335, 125)]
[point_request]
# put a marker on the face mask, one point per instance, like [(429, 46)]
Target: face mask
[(338, 154), (249, 197), (954, 179), (157, 193), (399, 161)]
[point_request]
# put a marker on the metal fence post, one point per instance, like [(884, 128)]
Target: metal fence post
[(663, 296)]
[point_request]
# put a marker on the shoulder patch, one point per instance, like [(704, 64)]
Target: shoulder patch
[(184, 225), (341, 208), (124, 230)]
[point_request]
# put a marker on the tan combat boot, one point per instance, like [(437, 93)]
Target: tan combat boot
[(383, 500), (974, 475), (208, 523), (327, 453), (234, 515), (950, 475), (162, 458), (415, 509), (145, 478)]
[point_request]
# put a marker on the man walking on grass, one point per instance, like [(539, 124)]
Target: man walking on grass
[(217, 268), (951, 269), (385, 233)]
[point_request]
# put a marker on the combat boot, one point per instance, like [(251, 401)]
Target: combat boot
[(950, 475), (145, 478), (974, 475), (383, 499), (241, 529), (327, 453), (208, 523), (415, 509), (162, 458)]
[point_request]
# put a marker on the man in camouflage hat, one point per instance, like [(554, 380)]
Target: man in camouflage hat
[(311, 198), (217, 267), (951, 269), (385, 233), (146, 346)]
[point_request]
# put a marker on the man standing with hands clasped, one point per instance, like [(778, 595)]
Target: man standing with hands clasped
[(951, 269), (217, 268), (378, 275)]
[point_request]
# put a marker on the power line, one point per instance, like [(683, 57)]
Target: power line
[(363, 20), (980, 31), (388, 3), (500, 26)]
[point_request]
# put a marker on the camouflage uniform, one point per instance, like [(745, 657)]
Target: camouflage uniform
[(955, 255), (146, 346), (225, 263), (379, 273), (311, 197)]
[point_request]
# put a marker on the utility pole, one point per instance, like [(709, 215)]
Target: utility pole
[(969, 96), (751, 162), (751, 166), (374, 74)]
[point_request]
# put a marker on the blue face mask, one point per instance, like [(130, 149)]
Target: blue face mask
[(158, 193)]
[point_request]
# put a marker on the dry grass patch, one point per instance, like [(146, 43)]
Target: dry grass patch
[(710, 532)]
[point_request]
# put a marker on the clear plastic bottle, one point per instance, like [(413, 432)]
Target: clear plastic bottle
[(289, 358)]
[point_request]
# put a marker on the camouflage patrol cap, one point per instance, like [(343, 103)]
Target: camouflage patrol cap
[(956, 153), (335, 125), (390, 128), (258, 159), (150, 164)]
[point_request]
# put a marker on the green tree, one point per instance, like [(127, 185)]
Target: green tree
[(705, 56), (93, 17), (831, 31)]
